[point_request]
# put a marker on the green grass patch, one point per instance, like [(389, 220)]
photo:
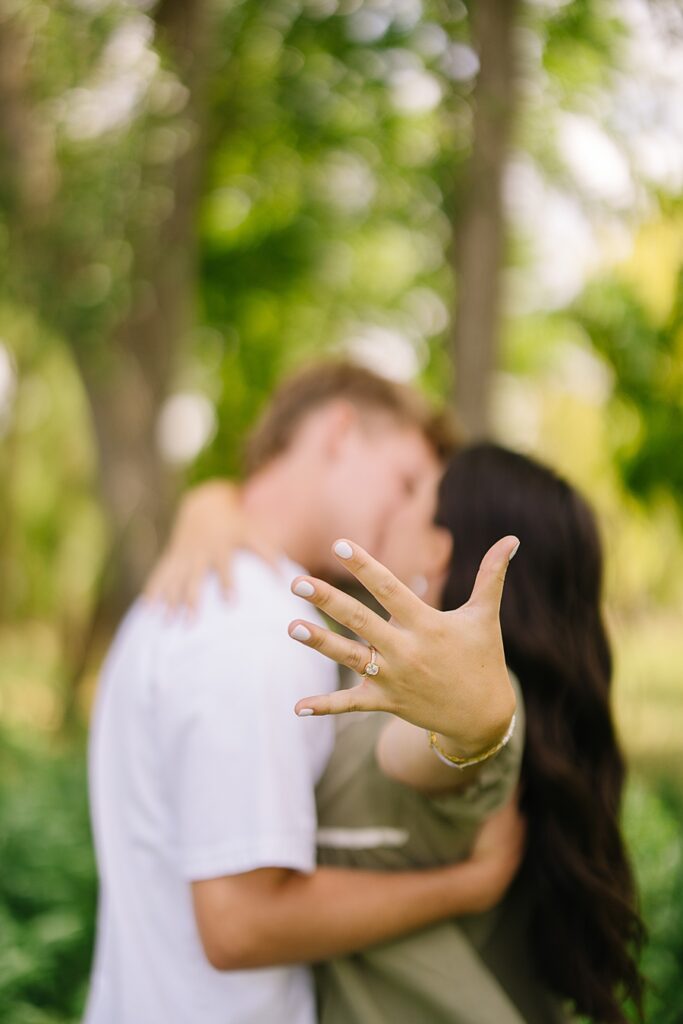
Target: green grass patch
[(47, 886)]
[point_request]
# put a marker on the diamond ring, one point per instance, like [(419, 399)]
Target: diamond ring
[(372, 668)]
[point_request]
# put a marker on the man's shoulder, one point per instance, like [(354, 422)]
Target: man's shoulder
[(258, 591), (248, 623), (254, 578), (233, 659), (259, 596)]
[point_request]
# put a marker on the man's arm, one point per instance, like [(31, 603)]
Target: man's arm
[(274, 916)]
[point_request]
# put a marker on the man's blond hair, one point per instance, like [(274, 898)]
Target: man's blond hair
[(323, 382)]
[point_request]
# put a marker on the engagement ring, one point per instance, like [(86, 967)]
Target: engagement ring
[(372, 668)]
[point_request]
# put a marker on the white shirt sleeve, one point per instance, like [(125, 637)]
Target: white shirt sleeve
[(241, 767)]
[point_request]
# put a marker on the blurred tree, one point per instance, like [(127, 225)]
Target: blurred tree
[(127, 385), (101, 169), (77, 205), (536, 60), (480, 229)]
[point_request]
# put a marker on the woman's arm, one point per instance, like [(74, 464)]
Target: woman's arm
[(440, 671), (209, 527), (274, 916), (405, 756)]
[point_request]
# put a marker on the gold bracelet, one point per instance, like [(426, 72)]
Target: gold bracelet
[(453, 761)]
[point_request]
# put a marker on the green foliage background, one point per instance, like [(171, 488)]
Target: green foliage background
[(326, 210)]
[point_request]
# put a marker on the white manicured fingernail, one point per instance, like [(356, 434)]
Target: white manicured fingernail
[(513, 552), (304, 589), (305, 712), (343, 549), (300, 633)]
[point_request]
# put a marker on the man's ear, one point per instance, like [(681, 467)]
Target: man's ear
[(339, 419)]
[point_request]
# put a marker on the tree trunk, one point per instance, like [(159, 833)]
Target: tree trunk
[(127, 376), (480, 232), (126, 391), (133, 480), (27, 181), (125, 397)]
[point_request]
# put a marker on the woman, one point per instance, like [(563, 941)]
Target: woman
[(564, 938)]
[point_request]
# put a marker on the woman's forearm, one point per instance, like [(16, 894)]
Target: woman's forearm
[(405, 755)]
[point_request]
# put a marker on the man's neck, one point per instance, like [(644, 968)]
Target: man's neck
[(281, 508)]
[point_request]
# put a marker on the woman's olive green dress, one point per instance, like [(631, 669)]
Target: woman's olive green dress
[(473, 971)]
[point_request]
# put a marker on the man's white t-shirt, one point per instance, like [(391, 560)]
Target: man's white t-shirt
[(199, 768)]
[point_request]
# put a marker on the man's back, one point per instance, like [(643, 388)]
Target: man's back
[(199, 768)]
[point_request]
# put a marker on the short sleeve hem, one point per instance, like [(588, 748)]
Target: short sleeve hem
[(283, 851)]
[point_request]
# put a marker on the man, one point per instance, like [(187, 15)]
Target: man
[(202, 779)]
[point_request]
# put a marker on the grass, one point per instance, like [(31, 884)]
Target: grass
[(652, 821), (47, 885)]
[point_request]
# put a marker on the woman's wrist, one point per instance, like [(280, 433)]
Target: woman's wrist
[(469, 761), (477, 742)]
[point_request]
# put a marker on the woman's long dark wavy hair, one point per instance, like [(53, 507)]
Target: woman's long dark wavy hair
[(585, 930)]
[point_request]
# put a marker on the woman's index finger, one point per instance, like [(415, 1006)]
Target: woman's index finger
[(401, 603)]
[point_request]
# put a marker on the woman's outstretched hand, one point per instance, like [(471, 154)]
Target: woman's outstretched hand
[(209, 527), (442, 671)]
